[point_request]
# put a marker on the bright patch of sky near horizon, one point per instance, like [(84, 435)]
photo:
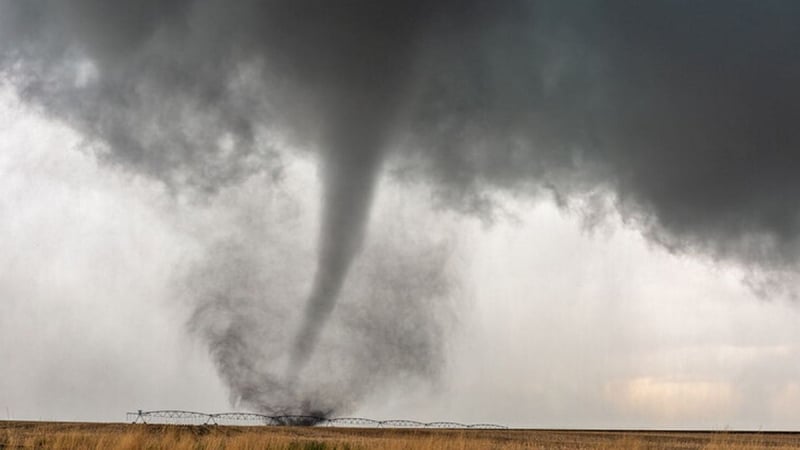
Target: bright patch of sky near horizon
[(563, 327)]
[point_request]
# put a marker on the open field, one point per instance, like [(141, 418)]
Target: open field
[(58, 435)]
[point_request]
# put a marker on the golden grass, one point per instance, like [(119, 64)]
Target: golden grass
[(72, 436)]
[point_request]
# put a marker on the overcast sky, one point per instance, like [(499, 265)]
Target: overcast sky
[(531, 213), (558, 327)]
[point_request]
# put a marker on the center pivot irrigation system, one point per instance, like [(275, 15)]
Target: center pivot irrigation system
[(171, 416)]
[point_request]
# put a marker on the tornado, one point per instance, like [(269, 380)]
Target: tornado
[(349, 167), (364, 70), (684, 114)]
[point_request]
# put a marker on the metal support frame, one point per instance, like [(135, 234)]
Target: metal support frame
[(174, 416)]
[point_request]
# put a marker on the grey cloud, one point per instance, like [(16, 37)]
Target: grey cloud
[(685, 111)]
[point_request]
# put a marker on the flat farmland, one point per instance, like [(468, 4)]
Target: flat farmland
[(68, 435)]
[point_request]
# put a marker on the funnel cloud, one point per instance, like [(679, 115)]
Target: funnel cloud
[(680, 116)]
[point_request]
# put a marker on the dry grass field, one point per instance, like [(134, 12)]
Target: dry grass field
[(69, 436)]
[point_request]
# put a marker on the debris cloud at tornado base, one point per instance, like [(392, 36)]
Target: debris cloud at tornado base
[(682, 114), (389, 328)]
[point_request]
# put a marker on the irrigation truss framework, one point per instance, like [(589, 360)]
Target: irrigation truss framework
[(172, 416)]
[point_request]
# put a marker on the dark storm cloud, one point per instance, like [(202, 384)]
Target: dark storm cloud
[(684, 111)]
